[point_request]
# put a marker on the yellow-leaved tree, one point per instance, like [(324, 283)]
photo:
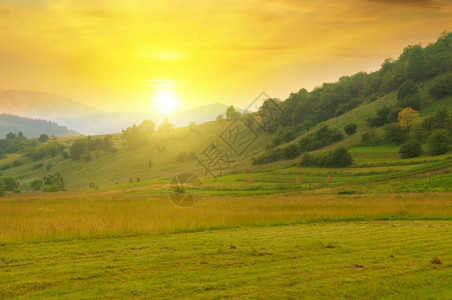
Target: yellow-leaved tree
[(407, 118)]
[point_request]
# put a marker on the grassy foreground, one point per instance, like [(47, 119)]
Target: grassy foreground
[(359, 260), (37, 217)]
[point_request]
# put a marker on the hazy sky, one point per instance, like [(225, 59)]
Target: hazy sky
[(123, 55)]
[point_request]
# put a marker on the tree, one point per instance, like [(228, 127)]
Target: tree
[(341, 158), (79, 149), (10, 183), (36, 184), (350, 128), (406, 89), (231, 113), (380, 119), (166, 126), (411, 148), (220, 118), (407, 118), (43, 138), (394, 133), (442, 87), (147, 126), (438, 142), (2, 188), (291, 151)]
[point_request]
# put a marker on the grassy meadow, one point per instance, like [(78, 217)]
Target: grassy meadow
[(381, 228)]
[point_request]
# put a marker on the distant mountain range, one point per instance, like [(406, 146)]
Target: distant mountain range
[(85, 119), (31, 128), (41, 105)]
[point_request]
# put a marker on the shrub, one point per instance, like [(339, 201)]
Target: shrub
[(36, 184), (43, 138), (268, 157), (413, 101), (380, 118), (16, 190), (55, 180), (10, 183), (50, 188), (321, 138), (2, 188), (370, 139), (306, 160), (350, 129), (407, 88), (37, 166), (438, 142), (341, 158), (5, 167), (394, 133), (411, 148), (17, 163), (291, 151), (442, 87)]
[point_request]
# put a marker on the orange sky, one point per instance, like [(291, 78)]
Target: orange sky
[(120, 55)]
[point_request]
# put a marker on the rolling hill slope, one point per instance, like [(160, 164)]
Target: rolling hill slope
[(32, 128)]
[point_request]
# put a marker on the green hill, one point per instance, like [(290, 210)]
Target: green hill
[(223, 153)]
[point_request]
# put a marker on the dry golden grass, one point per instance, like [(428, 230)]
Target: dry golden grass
[(34, 217)]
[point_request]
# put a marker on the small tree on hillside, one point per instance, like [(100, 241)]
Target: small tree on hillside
[(231, 113), (2, 188), (407, 118), (438, 142), (350, 129), (43, 138), (411, 148)]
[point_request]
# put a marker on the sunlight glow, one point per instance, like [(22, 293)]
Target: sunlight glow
[(165, 99)]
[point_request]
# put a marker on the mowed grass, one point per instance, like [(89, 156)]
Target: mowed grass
[(36, 217), (358, 260)]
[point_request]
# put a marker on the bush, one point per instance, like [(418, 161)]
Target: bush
[(43, 138), (291, 151), (36, 184), (380, 118), (306, 160), (50, 188), (16, 190), (413, 101), (341, 158), (5, 167), (2, 189), (55, 180), (321, 138), (438, 142), (268, 157), (394, 133), (10, 183), (441, 88), (407, 88), (350, 129), (17, 163), (411, 148), (37, 166), (370, 139)]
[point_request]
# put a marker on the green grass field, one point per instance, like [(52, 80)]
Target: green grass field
[(393, 260)]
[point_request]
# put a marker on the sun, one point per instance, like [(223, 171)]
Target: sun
[(165, 101)]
